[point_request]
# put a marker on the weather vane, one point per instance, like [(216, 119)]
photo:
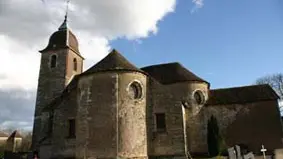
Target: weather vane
[(67, 8)]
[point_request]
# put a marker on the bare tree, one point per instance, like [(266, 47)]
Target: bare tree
[(26, 139), (276, 82), (8, 130), (26, 142)]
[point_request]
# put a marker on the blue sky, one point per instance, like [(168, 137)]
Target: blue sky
[(226, 42)]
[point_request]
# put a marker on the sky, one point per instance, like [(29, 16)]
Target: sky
[(228, 43)]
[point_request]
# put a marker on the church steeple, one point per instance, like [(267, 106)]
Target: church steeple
[(64, 25), (63, 38), (60, 62)]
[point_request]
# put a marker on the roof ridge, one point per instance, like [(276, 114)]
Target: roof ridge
[(162, 64), (243, 86), (242, 94), (174, 72)]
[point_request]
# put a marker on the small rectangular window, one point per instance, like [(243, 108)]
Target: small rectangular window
[(72, 128), (160, 122)]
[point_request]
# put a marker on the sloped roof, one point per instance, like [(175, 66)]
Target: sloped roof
[(3, 134), (114, 61), (171, 73), (62, 39), (239, 95)]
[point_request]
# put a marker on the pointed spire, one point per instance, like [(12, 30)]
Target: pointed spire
[(64, 25)]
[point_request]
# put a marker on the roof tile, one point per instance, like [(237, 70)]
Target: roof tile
[(239, 95), (114, 61), (171, 73), (62, 39)]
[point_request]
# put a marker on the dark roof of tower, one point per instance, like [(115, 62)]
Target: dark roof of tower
[(241, 95), (114, 61), (170, 73), (63, 38)]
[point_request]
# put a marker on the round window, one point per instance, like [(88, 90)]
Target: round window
[(199, 97), (135, 90)]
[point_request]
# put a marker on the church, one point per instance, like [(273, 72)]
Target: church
[(115, 109)]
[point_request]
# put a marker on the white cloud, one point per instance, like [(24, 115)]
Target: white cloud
[(27, 25), (92, 48), (19, 65), (197, 5), (132, 19), (280, 103)]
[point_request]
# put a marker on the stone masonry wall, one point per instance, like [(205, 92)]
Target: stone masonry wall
[(166, 100), (109, 122), (132, 126), (97, 116), (252, 124), (62, 144), (194, 119), (51, 83), (70, 72)]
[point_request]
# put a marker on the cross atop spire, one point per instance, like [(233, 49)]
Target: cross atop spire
[(64, 25)]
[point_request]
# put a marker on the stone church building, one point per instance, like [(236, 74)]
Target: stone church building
[(115, 109)]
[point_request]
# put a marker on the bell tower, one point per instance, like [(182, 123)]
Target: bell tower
[(60, 61)]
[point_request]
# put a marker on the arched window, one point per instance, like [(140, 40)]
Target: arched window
[(53, 61), (135, 90), (75, 63)]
